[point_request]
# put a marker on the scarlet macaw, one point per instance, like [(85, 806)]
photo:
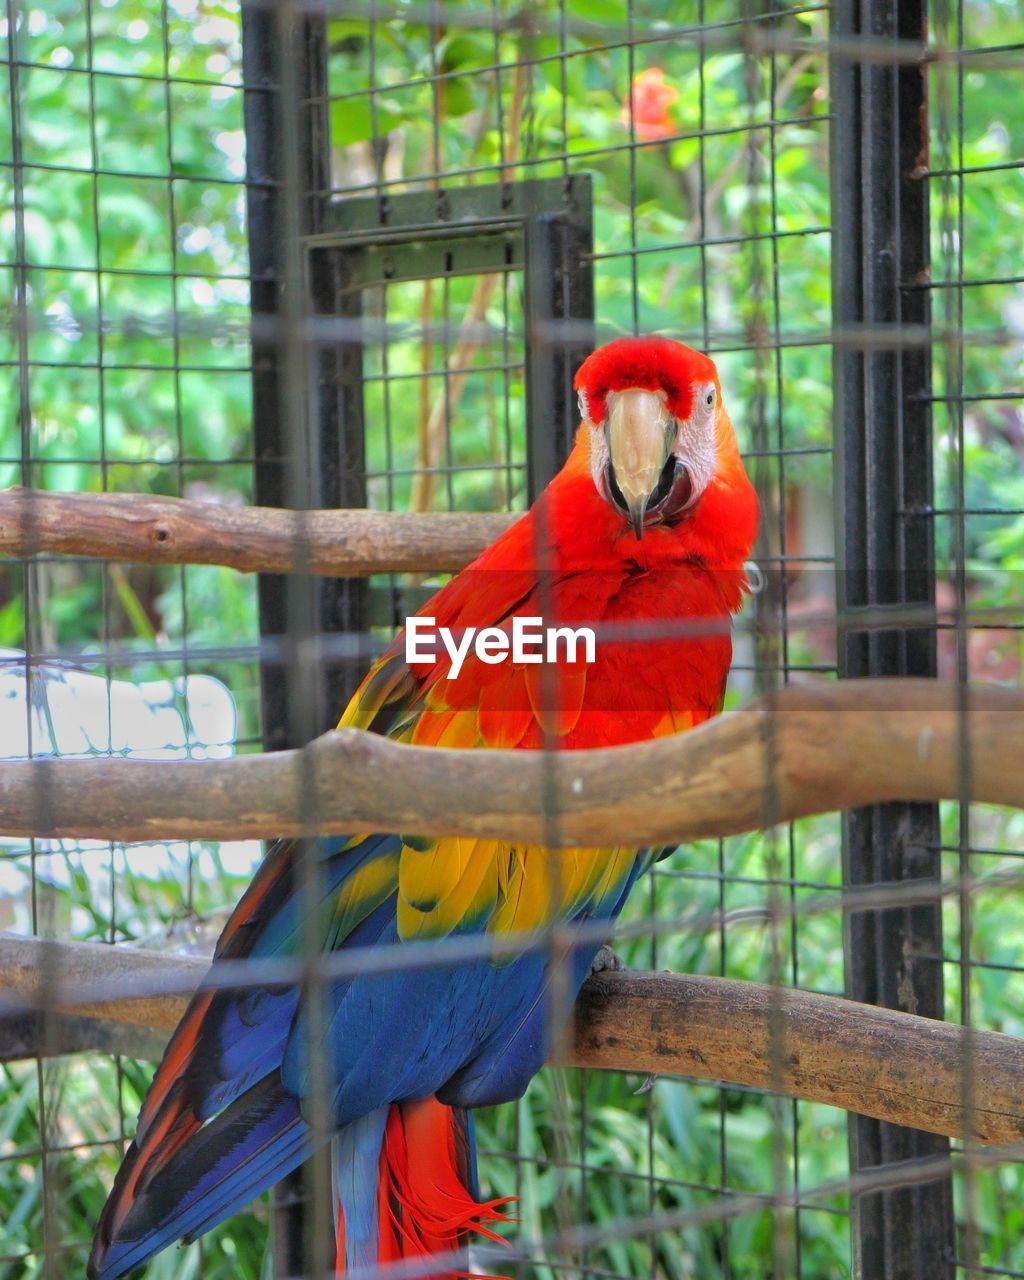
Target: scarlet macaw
[(650, 520)]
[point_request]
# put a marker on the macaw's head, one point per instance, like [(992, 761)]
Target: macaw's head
[(659, 434)]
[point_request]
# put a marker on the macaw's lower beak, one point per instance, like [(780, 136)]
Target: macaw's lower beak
[(641, 433)]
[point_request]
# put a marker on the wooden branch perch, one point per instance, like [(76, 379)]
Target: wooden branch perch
[(807, 749), (140, 527), (894, 1066)]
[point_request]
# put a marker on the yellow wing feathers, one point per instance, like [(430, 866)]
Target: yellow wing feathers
[(454, 885), (450, 885)]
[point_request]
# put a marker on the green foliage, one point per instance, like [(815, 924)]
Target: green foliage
[(107, 326)]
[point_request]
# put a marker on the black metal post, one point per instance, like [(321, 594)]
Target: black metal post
[(344, 602), (299, 606), (336, 478), (885, 546), (559, 303)]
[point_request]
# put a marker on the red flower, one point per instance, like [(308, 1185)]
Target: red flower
[(652, 98)]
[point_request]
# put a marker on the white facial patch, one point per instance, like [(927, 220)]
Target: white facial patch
[(695, 446), (598, 455), (598, 443)]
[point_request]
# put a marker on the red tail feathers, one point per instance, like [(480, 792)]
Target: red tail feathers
[(424, 1207)]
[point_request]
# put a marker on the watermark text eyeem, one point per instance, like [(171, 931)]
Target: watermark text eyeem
[(527, 640)]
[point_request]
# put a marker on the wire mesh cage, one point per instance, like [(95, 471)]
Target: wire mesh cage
[(350, 255)]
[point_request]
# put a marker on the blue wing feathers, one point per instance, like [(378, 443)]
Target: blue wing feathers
[(252, 1050), (356, 1156), (385, 1037), (245, 1150)]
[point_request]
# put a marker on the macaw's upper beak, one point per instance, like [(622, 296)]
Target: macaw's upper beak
[(640, 433)]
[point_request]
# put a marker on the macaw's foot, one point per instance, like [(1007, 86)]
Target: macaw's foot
[(606, 961)]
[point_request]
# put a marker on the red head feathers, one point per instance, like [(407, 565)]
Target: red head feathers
[(651, 364), (658, 439)]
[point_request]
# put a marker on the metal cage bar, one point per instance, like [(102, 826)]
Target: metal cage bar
[(337, 479), (885, 538), (276, 211)]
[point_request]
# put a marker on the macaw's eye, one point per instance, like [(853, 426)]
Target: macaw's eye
[(709, 399)]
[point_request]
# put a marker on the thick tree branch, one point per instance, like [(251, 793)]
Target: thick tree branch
[(139, 527), (807, 749), (893, 1066)]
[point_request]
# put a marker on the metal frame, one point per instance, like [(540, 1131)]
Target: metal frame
[(268, 39), (539, 227), (336, 482), (885, 542)]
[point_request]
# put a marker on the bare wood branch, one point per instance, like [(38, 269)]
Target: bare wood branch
[(152, 988), (894, 1066), (141, 528), (51, 1035), (807, 749)]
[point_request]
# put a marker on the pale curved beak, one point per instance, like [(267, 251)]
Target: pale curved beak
[(640, 433)]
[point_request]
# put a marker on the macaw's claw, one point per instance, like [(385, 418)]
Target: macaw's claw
[(607, 961)]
